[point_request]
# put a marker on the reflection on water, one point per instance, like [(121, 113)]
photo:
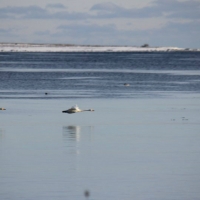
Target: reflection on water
[(73, 136), (2, 134), (71, 132), (76, 133)]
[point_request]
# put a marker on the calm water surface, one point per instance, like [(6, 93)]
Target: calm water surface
[(142, 141)]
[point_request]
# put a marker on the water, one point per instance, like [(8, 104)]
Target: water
[(142, 141), (97, 75)]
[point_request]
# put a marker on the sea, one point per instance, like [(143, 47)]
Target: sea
[(142, 142)]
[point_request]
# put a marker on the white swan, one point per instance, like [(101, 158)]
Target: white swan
[(75, 109)]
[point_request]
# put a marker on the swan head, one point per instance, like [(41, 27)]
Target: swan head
[(91, 109)]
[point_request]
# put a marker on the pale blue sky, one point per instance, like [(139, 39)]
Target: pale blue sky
[(114, 22)]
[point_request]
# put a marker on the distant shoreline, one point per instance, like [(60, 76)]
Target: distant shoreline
[(31, 47)]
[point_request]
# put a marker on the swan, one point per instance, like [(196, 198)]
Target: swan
[(75, 109)]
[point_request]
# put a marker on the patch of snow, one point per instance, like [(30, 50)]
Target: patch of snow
[(23, 47)]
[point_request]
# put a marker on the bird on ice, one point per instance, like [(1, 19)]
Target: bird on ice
[(75, 109)]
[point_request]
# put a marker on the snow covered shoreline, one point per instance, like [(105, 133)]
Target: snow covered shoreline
[(23, 47)]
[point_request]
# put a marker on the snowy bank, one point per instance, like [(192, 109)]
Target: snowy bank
[(22, 47)]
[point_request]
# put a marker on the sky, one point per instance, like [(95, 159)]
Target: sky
[(171, 23)]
